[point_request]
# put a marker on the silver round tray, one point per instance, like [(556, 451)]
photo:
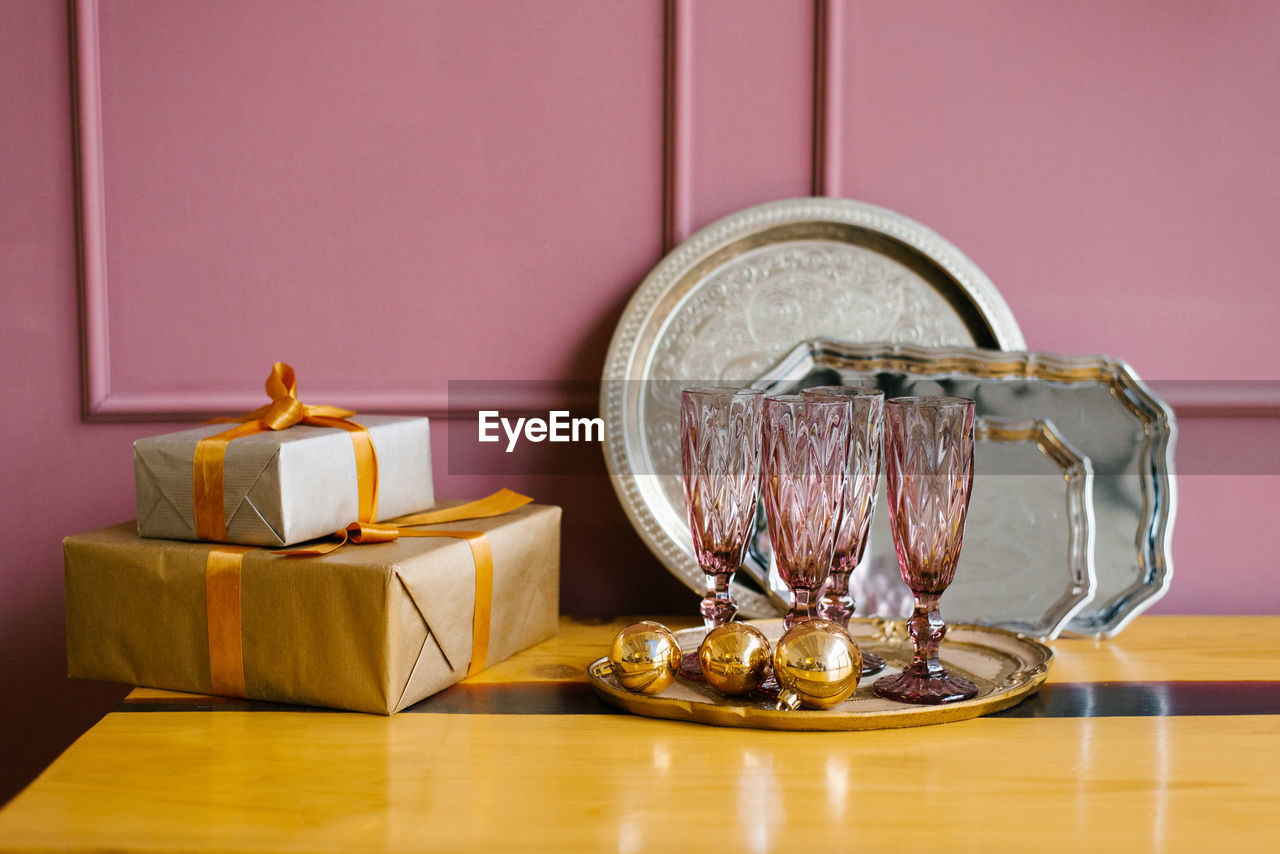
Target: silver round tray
[(730, 302), (1006, 667)]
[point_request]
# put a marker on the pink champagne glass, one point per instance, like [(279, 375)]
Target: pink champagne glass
[(720, 457), (806, 445), (866, 441), (929, 476)]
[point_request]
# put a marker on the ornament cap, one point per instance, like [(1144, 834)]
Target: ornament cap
[(788, 700)]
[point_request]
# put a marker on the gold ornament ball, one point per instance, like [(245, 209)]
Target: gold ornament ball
[(817, 665), (645, 657), (734, 658)]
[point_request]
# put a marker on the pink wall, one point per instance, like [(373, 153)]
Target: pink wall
[(397, 195), (1113, 168), (381, 174)]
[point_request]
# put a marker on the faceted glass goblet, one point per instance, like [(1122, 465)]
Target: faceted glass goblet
[(806, 445), (929, 478), (720, 456), (866, 442)]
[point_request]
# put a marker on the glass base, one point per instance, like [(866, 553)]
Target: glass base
[(767, 691), (871, 664), (793, 618), (924, 689)]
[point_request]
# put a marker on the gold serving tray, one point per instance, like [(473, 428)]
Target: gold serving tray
[(1006, 667)]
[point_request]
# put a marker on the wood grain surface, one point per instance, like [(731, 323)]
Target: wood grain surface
[(280, 779)]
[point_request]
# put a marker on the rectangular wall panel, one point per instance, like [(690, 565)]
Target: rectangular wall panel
[(1110, 166), (388, 195), (743, 106)]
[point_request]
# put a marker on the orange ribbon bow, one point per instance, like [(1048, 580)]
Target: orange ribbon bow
[(284, 411)]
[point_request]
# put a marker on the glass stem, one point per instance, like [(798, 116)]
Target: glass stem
[(838, 588), (717, 608), (802, 602), (927, 629), (718, 586), (836, 604)]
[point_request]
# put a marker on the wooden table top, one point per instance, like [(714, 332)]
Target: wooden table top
[(1164, 738)]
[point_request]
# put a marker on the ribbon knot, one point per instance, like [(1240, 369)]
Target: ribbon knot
[(284, 411), (282, 382), (282, 414), (369, 532)]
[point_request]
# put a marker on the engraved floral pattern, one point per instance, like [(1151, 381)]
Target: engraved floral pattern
[(751, 312), (642, 453)]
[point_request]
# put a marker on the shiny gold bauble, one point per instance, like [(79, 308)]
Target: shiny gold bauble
[(645, 657), (734, 658), (817, 665)]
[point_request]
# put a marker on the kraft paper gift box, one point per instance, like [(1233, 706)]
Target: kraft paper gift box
[(369, 628), (282, 487)]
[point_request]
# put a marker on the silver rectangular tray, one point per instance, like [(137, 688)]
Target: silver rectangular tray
[(1096, 406)]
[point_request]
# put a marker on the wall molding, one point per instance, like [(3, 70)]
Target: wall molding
[(86, 76), (828, 79), (677, 122), (1220, 398), (100, 402), (134, 407), (1189, 399)]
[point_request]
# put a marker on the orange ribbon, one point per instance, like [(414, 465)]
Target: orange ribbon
[(282, 412), (222, 612), (502, 501), (222, 580)]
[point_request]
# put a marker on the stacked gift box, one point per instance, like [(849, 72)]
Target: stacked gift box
[(299, 555)]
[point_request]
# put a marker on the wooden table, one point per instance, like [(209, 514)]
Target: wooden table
[(1166, 738)]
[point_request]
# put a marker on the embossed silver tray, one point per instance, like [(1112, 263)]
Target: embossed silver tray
[(736, 297), (1027, 562), (1095, 405), (1006, 667)]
